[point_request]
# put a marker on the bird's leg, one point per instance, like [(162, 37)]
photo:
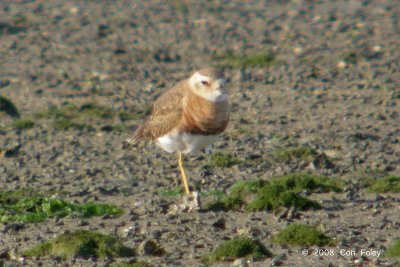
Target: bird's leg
[(191, 201), (183, 173)]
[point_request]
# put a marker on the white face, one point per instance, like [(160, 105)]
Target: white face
[(209, 89)]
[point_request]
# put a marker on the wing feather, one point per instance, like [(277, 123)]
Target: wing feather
[(166, 115)]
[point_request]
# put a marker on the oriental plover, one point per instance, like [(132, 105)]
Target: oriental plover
[(188, 117)]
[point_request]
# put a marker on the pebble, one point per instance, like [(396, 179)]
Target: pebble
[(5, 253), (240, 263), (150, 247), (278, 260), (220, 224)]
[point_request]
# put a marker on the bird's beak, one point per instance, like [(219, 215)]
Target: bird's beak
[(222, 88)]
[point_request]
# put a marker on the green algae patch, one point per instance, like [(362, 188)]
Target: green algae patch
[(126, 116), (176, 191), (23, 124), (83, 244), (223, 160), (300, 182), (26, 205), (385, 184), (239, 247), (64, 124), (294, 153), (302, 235), (393, 251), (275, 196), (282, 191), (83, 117), (238, 194)]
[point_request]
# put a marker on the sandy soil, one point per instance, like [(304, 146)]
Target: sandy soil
[(334, 86)]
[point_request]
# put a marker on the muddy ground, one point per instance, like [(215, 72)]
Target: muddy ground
[(333, 85)]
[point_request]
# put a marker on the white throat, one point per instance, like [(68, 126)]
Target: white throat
[(214, 96)]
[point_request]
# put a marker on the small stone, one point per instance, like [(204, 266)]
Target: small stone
[(126, 232), (13, 227), (342, 65), (240, 263), (292, 213), (298, 50), (367, 207), (73, 10), (220, 223), (4, 83), (358, 262), (150, 247), (141, 210), (83, 223), (377, 48), (5, 253), (277, 261)]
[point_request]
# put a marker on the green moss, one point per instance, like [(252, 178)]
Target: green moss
[(244, 61), (27, 205), (244, 188), (181, 6), (73, 117), (81, 243), (300, 182), (20, 20), (8, 107), (66, 111), (283, 191), (393, 251), (93, 110), (238, 247), (383, 184), (237, 195), (274, 196), (170, 192), (223, 160), (294, 153), (23, 124), (38, 250), (302, 235), (69, 124), (118, 128), (126, 116), (212, 193), (88, 110)]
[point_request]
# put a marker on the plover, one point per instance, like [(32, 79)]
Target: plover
[(188, 117)]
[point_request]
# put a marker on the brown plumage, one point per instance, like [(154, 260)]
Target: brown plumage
[(204, 117), (180, 108), (166, 115)]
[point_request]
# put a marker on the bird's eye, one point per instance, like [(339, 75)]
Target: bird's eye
[(205, 83)]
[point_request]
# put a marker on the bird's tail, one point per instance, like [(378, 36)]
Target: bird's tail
[(131, 142)]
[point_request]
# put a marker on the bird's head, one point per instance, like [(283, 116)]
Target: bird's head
[(209, 83)]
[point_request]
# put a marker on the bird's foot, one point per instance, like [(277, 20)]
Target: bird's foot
[(190, 203)]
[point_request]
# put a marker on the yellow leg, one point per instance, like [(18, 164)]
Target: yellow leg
[(183, 173)]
